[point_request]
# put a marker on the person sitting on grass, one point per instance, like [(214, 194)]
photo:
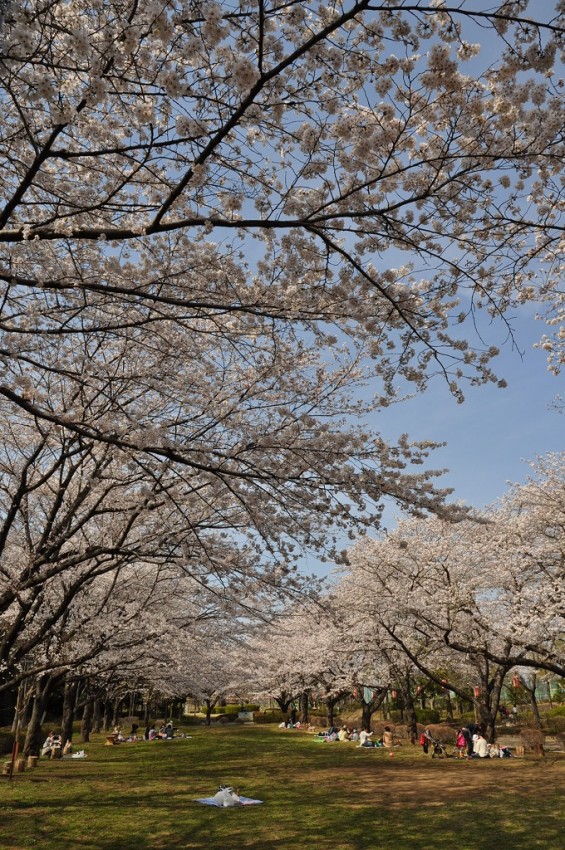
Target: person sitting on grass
[(389, 740), (48, 745), (364, 738), (343, 734), (480, 747)]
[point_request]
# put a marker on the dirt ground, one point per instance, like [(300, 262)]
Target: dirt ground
[(441, 781)]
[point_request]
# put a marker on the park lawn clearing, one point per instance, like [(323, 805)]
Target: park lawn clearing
[(328, 797)]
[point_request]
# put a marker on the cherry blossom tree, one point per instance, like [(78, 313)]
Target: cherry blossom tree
[(487, 595), (523, 553), (430, 598), (277, 660), (227, 218)]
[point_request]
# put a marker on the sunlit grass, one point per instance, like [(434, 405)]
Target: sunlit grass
[(319, 796)]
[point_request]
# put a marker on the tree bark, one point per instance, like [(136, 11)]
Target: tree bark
[(116, 711), (410, 708), (533, 701), (108, 721), (331, 703), (283, 701), (86, 722), (69, 698), (97, 716), (209, 706), (43, 686), (488, 702), (304, 703)]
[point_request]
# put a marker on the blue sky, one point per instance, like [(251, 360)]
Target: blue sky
[(495, 431)]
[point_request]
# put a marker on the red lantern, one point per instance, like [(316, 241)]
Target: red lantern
[(476, 691), (418, 690), (516, 681), (393, 694), (444, 682)]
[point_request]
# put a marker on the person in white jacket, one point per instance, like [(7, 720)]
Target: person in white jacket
[(364, 738), (480, 747)]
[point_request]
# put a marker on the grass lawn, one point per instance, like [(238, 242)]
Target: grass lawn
[(317, 797)]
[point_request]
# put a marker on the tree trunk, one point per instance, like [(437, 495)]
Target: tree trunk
[(283, 703), (366, 715), (69, 697), (331, 703), (43, 687), (97, 716), (108, 721), (86, 722), (116, 711), (209, 706), (411, 719), (533, 701), (488, 703), (368, 708), (304, 702)]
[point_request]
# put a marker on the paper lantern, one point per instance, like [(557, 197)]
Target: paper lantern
[(516, 681), (393, 694), (476, 691)]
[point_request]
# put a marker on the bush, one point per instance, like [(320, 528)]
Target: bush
[(555, 724), (443, 734), (271, 715), (533, 740), (558, 711), (7, 742), (192, 720), (233, 708), (427, 715), (225, 718)]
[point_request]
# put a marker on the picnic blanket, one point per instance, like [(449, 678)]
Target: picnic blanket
[(243, 801)]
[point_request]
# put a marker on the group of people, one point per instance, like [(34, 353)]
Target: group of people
[(165, 732), (363, 738), (53, 747), (470, 743)]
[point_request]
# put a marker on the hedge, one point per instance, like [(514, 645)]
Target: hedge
[(272, 715), (7, 742), (232, 708)]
